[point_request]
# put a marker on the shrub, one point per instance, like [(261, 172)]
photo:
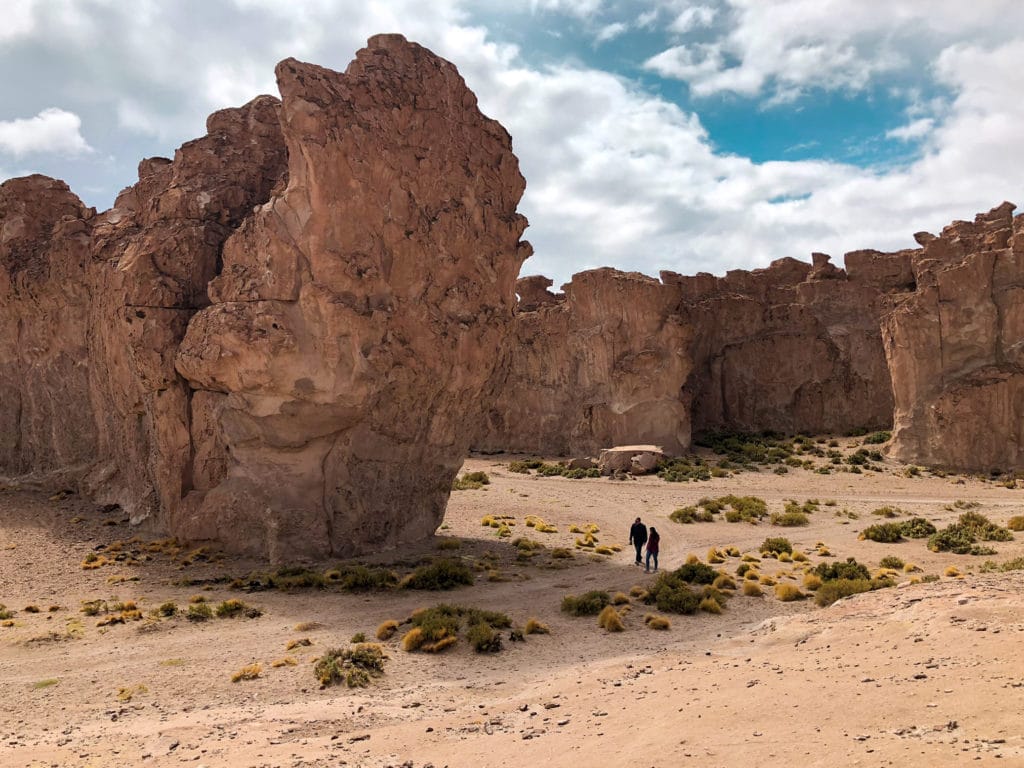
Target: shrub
[(989, 566), (917, 528), (360, 578), (657, 622), (789, 519), (877, 438), (534, 627), (691, 515), (884, 533), (471, 481), (355, 666), (229, 609), (199, 612), (776, 544), (891, 561), (483, 638), (833, 590), (293, 644), (724, 582), (787, 593), (710, 605), (442, 574), (694, 573), (851, 570), (609, 619), (1016, 523), (799, 557), (620, 598), (812, 581), (387, 629), (961, 537), (951, 570), (250, 672), (166, 610), (588, 604), (887, 511), (523, 466), (752, 589)]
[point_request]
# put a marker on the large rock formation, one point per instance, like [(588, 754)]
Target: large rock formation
[(956, 348), (355, 324), (277, 339)]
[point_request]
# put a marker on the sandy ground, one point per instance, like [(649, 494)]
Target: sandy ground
[(926, 674)]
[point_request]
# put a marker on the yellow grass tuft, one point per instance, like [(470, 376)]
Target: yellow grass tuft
[(799, 557), (534, 627), (751, 589), (812, 581), (710, 605), (387, 629), (412, 639), (692, 559), (724, 581), (657, 622), (287, 661), (249, 672), (767, 580), (293, 644), (785, 557), (620, 598), (610, 620), (952, 571), (787, 593), (637, 591), (715, 557), (911, 568)]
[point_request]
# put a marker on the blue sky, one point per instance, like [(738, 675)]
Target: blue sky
[(689, 136)]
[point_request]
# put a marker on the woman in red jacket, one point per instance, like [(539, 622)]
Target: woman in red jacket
[(653, 539)]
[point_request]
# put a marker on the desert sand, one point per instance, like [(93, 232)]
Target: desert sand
[(926, 674)]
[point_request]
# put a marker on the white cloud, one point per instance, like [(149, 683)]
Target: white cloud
[(912, 131), (693, 17), (610, 31), (51, 131)]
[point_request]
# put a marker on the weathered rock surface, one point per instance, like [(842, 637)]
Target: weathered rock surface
[(278, 339), (956, 348)]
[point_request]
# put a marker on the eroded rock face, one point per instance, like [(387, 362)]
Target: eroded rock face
[(356, 324), (601, 365), (956, 348)]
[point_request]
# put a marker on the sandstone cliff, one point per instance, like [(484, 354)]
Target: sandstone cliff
[(956, 348)]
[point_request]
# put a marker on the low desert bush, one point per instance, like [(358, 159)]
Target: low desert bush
[(199, 612), (812, 581), (483, 638), (835, 589), (387, 629), (917, 528), (442, 574), (776, 545), (523, 466), (789, 519), (610, 619), (471, 481), (691, 515), (694, 573), (962, 536), (1015, 523), (884, 533), (354, 666), (657, 622), (952, 571), (877, 438), (361, 578), (887, 512), (249, 672), (990, 566), (620, 598), (752, 589), (787, 593), (588, 604), (891, 561), (850, 570), (535, 627), (724, 581), (710, 605)]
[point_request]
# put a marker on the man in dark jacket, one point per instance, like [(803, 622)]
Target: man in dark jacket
[(638, 537)]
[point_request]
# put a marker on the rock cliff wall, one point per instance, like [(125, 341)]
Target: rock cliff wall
[(956, 348)]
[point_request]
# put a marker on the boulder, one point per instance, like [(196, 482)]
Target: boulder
[(633, 459)]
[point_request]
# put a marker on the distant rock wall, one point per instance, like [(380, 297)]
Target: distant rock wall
[(956, 348)]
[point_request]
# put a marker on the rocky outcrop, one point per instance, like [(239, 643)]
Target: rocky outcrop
[(956, 348), (277, 339), (353, 329)]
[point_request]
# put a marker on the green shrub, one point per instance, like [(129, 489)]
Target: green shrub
[(711, 505), (523, 466), (691, 515), (893, 562), (789, 519), (1017, 564), (877, 438), (834, 589), (851, 570), (695, 573), (887, 511), (442, 574), (355, 666), (360, 578), (917, 528), (961, 537), (588, 604), (471, 481), (683, 470), (199, 612), (777, 545), (673, 595), (885, 533), (5, 613), (483, 638)]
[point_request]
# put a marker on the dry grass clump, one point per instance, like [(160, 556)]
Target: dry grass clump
[(952, 571), (799, 557), (535, 627), (442, 574), (767, 580), (249, 672), (812, 581), (715, 557), (776, 545), (471, 481), (620, 598), (690, 514), (199, 612), (657, 622), (435, 629), (1016, 523), (561, 553), (610, 619), (752, 589), (787, 593), (637, 591), (231, 609), (911, 568), (299, 643), (286, 661), (387, 629), (355, 666), (710, 605), (724, 581), (789, 519)]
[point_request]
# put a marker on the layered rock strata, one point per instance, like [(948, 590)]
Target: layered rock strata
[(956, 348)]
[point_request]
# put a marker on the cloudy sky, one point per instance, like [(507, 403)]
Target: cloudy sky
[(691, 136)]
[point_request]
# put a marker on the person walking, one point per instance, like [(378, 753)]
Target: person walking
[(653, 542), (638, 537)]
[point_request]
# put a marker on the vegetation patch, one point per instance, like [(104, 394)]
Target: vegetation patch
[(962, 536), (850, 570), (471, 481), (387, 629), (610, 619), (248, 672), (877, 438), (535, 627), (835, 589), (691, 514), (1016, 523), (588, 604), (787, 593), (355, 666), (892, 562), (657, 622), (441, 574), (435, 629), (789, 519), (776, 545), (884, 533), (523, 466)]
